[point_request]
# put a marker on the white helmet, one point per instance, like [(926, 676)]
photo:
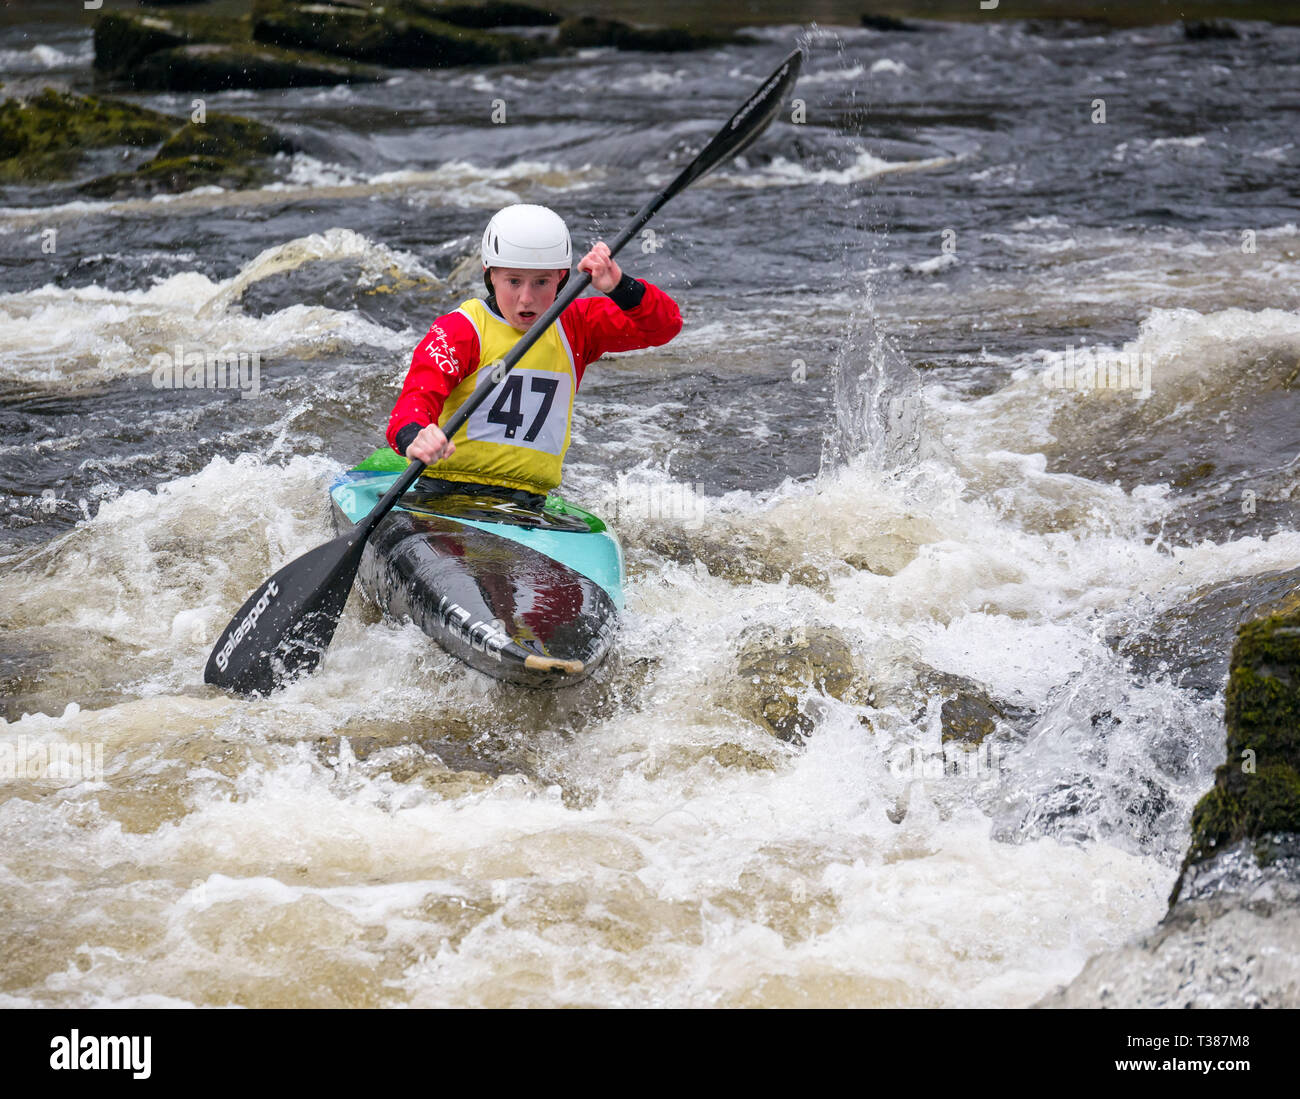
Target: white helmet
[(530, 237)]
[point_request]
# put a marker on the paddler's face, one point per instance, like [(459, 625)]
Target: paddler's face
[(523, 296)]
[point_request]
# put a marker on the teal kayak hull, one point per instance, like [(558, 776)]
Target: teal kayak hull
[(529, 595)]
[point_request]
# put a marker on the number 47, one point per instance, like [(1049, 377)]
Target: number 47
[(506, 408)]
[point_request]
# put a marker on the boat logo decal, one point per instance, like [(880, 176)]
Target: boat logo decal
[(486, 637), (250, 620)]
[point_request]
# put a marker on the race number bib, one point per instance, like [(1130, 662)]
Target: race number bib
[(528, 408)]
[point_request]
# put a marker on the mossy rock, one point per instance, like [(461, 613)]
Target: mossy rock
[(44, 137), (224, 151), (385, 36), (1257, 788), (586, 31), (484, 16)]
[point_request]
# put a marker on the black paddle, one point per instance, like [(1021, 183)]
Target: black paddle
[(286, 625)]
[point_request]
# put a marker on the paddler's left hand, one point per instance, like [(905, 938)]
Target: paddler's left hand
[(605, 273)]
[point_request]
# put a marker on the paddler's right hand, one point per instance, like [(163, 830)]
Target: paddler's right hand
[(430, 445)]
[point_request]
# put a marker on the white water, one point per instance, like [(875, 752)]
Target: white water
[(397, 830)]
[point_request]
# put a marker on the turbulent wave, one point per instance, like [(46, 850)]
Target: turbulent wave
[(76, 336)]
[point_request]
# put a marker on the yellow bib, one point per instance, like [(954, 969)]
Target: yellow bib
[(518, 435)]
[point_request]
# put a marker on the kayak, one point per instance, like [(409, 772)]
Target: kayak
[(530, 595)]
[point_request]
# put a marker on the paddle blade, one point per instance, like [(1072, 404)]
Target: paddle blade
[(754, 116), (284, 628)]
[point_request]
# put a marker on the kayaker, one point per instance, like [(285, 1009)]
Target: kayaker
[(515, 441)]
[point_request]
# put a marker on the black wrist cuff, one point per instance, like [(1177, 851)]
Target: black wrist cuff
[(628, 293), (406, 436)]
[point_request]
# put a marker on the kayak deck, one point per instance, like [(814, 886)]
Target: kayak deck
[(529, 595)]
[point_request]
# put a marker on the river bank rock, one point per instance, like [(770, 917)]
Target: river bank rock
[(212, 67), (47, 135), (122, 40), (887, 23), (208, 53), (1256, 791), (1228, 938), (586, 31), (396, 36), (486, 15)]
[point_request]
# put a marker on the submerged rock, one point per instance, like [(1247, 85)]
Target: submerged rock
[(968, 712), (45, 137), (778, 669)]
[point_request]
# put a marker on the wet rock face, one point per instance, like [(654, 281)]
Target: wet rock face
[(1240, 881), (1189, 637), (1248, 894)]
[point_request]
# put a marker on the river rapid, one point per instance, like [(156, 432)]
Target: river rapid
[(877, 422)]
